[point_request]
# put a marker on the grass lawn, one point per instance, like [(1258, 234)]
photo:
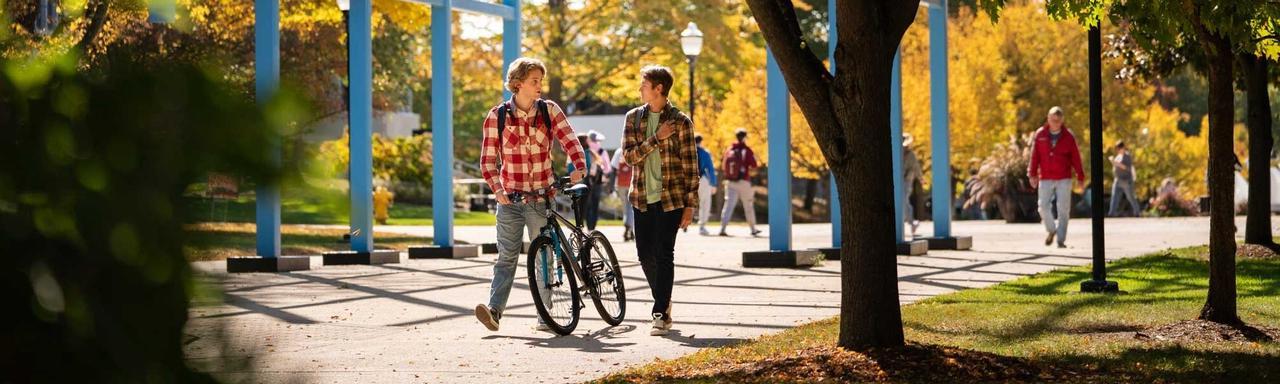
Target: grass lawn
[(324, 210), (217, 241), (1037, 328)]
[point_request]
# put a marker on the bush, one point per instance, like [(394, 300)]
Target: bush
[(1003, 183), (404, 163), (95, 164)]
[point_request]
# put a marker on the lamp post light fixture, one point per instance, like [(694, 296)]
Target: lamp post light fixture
[(691, 44)]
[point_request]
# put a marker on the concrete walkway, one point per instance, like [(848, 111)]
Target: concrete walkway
[(413, 321)]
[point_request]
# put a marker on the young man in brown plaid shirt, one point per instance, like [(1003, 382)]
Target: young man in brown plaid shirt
[(658, 143)]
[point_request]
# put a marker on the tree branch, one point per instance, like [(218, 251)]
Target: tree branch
[(97, 19), (808, 80)]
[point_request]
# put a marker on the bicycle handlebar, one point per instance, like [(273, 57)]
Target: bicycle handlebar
[(563, 184)]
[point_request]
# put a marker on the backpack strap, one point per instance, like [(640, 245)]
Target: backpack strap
[(640, 119), (503, 110), (546, 117)]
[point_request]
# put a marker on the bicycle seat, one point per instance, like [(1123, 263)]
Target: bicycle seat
[(577, 189)]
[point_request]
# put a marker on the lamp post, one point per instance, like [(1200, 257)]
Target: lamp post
[(345, 6), (691, 44)]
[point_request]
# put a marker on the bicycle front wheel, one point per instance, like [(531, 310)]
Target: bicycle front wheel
[(605, 279), (554, 286)]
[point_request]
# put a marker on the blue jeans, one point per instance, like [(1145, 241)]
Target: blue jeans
[(1060, 190), (1123, 188), (512, 220)]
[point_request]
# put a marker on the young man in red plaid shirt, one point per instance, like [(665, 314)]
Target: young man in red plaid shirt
[(525, 152)]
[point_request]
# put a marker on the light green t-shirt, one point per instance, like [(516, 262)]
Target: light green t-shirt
[(653, 165)]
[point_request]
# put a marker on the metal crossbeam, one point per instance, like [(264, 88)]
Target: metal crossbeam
[(506, 12)]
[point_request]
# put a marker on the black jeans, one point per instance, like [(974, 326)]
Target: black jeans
[(656, 244)]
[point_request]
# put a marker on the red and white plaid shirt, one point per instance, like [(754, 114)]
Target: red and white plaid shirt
[(526, 149)]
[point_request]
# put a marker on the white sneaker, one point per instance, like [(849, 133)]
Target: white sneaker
[(542, 327), (703, 231), (660, 325), (487, 317)]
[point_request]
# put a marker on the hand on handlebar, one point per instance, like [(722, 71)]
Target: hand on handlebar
[(576, 176)]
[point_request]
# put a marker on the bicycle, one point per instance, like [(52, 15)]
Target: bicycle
[(586, 257)]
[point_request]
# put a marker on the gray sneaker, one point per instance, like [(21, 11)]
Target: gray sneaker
[(487, 317), (541, 327), (661, 324)]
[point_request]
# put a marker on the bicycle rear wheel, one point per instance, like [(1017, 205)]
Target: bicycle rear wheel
[(604, 278), (554, 286)]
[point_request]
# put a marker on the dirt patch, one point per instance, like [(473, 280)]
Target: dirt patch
[(1201, 331), (1255, 251), (912, 363)]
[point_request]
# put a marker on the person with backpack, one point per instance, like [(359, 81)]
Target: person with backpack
[(706, 185), (1054, 155), (658, 143), (515, 160), (738, 167)]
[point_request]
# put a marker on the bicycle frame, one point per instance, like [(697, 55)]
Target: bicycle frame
[(554, 230)]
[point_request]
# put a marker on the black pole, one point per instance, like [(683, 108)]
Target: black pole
[(692, 60), (1099, 281), (346, 87)]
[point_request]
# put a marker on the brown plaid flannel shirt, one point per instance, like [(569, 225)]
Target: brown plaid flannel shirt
[(679, 158)]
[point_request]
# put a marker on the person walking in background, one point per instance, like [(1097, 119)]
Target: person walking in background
[(739, 164), (1122, 185), (1054, 155), (597, 173), (706, 185), (623, 188), (580, 217), (912, 174)]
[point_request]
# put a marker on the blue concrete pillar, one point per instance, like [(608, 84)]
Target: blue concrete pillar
[(442, 121), (266, 54), (940, 116), (778, 104), (160, 11), (510, 42), (834, 202), (360, 56), (895, 134)]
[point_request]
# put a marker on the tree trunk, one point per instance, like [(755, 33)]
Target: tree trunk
[(849, 116), (1220, 305), (1258, 227), (97, 18), (555, 50)]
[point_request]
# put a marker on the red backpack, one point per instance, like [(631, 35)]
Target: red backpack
[(735, 164)]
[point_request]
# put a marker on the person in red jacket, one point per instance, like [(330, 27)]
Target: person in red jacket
[(1054, 155)]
